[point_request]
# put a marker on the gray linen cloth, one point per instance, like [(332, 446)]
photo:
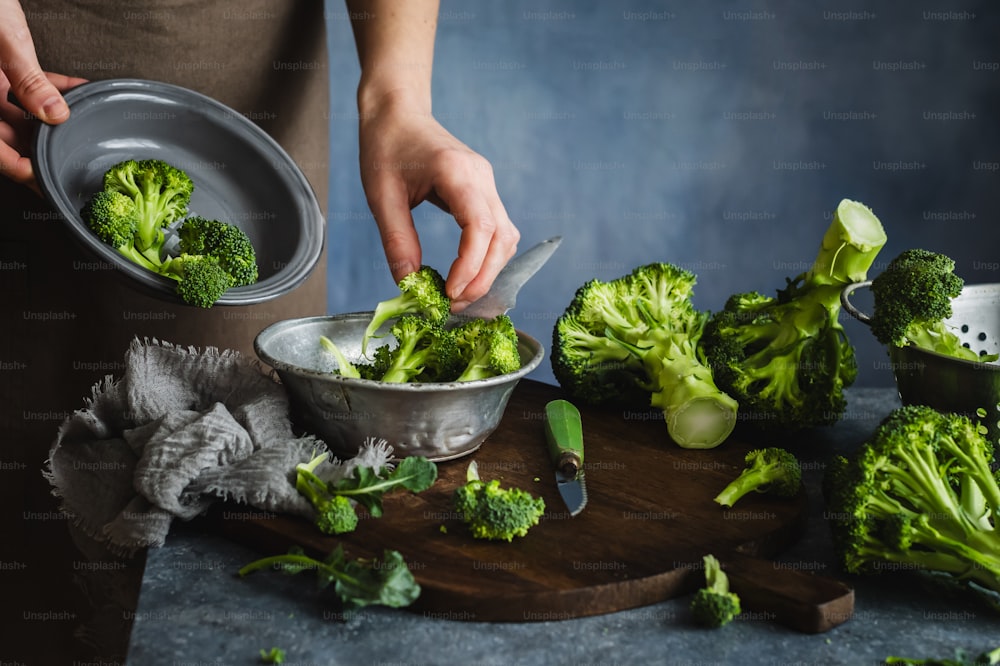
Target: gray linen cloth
[(180, 430)]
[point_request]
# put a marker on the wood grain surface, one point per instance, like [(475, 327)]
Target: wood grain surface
[(649, 520)]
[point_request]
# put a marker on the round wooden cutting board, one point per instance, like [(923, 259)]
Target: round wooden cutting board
[(649, 520)]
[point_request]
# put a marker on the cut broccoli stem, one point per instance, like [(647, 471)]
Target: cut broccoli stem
[(698, 415), (849, 246)]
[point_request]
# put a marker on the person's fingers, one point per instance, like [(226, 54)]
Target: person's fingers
[(18, 62), (389, 203)]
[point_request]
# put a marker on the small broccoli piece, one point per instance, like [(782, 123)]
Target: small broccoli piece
[(201, 279), (344, 367), (714, 605), (786, 359), (487, 348), (912, 300), (635, 339), (334, 514), (161, 193), (273, 656), (420, 293), (919, 494), (495, 513), (425, 351), (769, 470), (114, 219), (214, 257), (229, 244)]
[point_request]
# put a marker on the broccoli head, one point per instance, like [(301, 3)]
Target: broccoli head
[(335, 514), (713, 604), (425, 351), (919, 494), (487, 348), (635, 339), (769, 470), (496, 513), (420, 293), (786, 359), (114, 219), (912, 300), (201, 279), (161, 193), (214, 256)]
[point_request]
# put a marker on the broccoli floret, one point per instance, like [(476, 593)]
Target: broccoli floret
[(229, 244), (769, 470), (201, 279), (496, 513), (334, 513), (912, 298), (114, 219), (420, 293), (635, 338), (334, 501), (344, 367), (487, 348), (425, 351), (214, 256), (786, 359), (919, 494), (161, 193), (714, 605)]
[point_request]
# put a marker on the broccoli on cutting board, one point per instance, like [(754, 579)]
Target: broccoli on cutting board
[(496, 513), (770, 470)]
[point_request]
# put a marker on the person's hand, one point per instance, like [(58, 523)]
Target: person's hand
[(407, 157), (40, 93)]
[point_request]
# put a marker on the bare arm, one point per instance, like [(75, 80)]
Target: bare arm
[(408, 157)]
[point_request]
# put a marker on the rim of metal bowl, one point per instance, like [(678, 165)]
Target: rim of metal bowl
[(533, 345), (866, 319)]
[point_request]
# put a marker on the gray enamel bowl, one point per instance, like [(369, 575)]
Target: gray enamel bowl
[(241, 175), (951, 384), (440, 421)]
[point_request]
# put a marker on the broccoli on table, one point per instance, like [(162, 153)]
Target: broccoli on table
[(786, 359), (635, 339), (486, 348), (714, 605), (420, 293), (769, 470), (912, 300), (920, 494), (334, 501), (496, 513)]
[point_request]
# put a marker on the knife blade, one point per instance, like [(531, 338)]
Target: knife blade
[(564, 435), (503, 294)]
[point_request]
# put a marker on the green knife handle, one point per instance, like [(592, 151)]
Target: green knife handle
[(564, 434)]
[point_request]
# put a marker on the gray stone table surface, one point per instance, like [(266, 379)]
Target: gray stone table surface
[(194, 611)]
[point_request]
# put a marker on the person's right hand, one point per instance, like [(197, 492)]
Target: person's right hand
[(40, 93)]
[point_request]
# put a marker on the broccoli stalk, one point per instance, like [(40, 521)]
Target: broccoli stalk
[(786, 359), (420, 293), (714, 605), (487, 348), (769, 470), (912, 300), (358, 583), (919, 494), (344, 367), (495, 513), (636, 338)]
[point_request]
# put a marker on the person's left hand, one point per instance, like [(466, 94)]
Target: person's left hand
[(407, 157)]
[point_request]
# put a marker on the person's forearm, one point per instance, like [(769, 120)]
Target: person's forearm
[(395, 42)]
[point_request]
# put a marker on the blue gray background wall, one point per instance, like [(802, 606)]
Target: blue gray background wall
[(715, 135)]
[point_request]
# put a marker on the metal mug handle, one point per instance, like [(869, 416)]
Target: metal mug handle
[(846, 301)]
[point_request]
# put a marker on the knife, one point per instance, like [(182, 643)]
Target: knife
[(564, 435), (503, 294)]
